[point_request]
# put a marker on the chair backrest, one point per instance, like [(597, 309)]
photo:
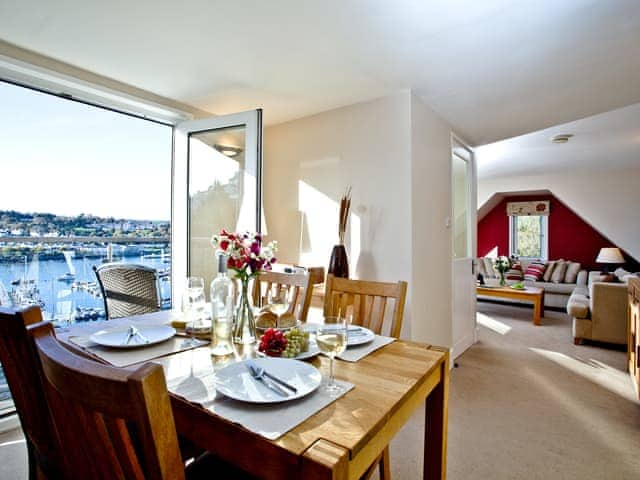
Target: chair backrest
[(24, 375), (114, 423), (128, 289), (366, 301), (299, 287)]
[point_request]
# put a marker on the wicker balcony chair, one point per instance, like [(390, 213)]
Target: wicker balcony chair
[(128, 289)]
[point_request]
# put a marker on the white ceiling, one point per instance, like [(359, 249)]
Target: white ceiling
[(493, 68), (606, 141)]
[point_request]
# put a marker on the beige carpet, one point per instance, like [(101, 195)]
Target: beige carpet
[(525, 403)]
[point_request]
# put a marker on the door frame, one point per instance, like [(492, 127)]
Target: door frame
[(180, 214), (461, 149)]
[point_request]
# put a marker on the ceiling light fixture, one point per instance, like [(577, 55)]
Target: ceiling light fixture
[(561, 138), (228, 150)]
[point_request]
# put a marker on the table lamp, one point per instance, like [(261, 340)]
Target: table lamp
[(611, 255)]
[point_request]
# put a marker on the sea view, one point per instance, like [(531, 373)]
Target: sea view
[(63, 298)]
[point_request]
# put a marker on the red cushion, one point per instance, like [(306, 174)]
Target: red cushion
[(534, 272), (515, 272)]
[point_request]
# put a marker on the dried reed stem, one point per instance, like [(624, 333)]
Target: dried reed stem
[(345, 205)]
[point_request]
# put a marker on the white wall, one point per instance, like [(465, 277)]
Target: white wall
[(431, 239), (309, 162), (607, 200)]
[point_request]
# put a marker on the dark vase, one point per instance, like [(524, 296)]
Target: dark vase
[(339, 263)]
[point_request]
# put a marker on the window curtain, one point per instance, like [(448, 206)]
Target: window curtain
[(517, 209)]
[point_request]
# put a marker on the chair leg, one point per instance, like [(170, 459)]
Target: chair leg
[(578, 341), (372, 468), (385, 464)]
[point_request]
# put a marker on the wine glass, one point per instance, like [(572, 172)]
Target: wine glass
[(331, 338), (194, 306), (278, 300)]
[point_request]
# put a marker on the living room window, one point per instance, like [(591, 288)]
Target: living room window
[(528, 236)]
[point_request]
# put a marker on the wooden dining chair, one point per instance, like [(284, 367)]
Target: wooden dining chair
[(128, 289), (366, 303), (24, 375), (299, 287), (115, 423)]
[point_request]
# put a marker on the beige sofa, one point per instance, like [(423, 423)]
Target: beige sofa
[(556, 295), (599, 311)]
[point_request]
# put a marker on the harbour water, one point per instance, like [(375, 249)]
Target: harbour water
[(79, 298)]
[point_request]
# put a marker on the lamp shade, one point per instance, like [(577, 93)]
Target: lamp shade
[(610, 255)]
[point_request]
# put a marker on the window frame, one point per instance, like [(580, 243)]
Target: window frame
[(544, 237)]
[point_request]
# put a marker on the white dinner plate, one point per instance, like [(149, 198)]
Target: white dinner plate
[(359, 335), (116, 337), (235, 381)]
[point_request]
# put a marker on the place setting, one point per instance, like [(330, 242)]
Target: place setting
[(266, 395), (271, 394), (360, 341), (123, 343)]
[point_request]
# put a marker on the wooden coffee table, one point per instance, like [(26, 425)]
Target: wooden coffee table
[(530, 294)]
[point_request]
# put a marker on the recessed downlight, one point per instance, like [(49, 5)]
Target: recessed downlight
[(561, 138)]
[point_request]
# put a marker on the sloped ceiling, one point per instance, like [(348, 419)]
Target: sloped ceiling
[(606, 141), (493, 69)]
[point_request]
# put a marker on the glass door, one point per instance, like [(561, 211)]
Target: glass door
[(217, 184)]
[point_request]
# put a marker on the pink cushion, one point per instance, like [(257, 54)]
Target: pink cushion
[(514, 273), (534, 272)]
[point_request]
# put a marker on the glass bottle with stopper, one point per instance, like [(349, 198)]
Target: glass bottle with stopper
[(222, 307)]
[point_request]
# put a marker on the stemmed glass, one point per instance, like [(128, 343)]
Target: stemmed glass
[(194, 306), (278, 300), (331, 338)]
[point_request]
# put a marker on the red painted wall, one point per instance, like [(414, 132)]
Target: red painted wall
[(570, 237)]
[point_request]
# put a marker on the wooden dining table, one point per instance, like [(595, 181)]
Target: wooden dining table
[(342, 440)]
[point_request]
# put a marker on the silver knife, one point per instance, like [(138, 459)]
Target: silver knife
[(281, 382)]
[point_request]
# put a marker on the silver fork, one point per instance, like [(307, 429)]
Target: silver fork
[(259, 374)]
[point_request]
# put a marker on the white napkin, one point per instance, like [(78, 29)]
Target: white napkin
[(358, 352)]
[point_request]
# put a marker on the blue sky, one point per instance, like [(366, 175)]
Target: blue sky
[(67, 158)]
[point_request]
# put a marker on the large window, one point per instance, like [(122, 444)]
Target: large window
[(528, 236), (81, 185)]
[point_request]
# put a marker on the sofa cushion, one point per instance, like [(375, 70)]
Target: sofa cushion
[(621, 273), (578, 305), (480, 267), (625, 279), (573, 268), (550, 287), (581, 291), (488, 267), (549, 270), (559, 271), (534, 271), (514, 273)]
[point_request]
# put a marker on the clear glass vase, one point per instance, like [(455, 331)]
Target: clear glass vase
[(244, 326)]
